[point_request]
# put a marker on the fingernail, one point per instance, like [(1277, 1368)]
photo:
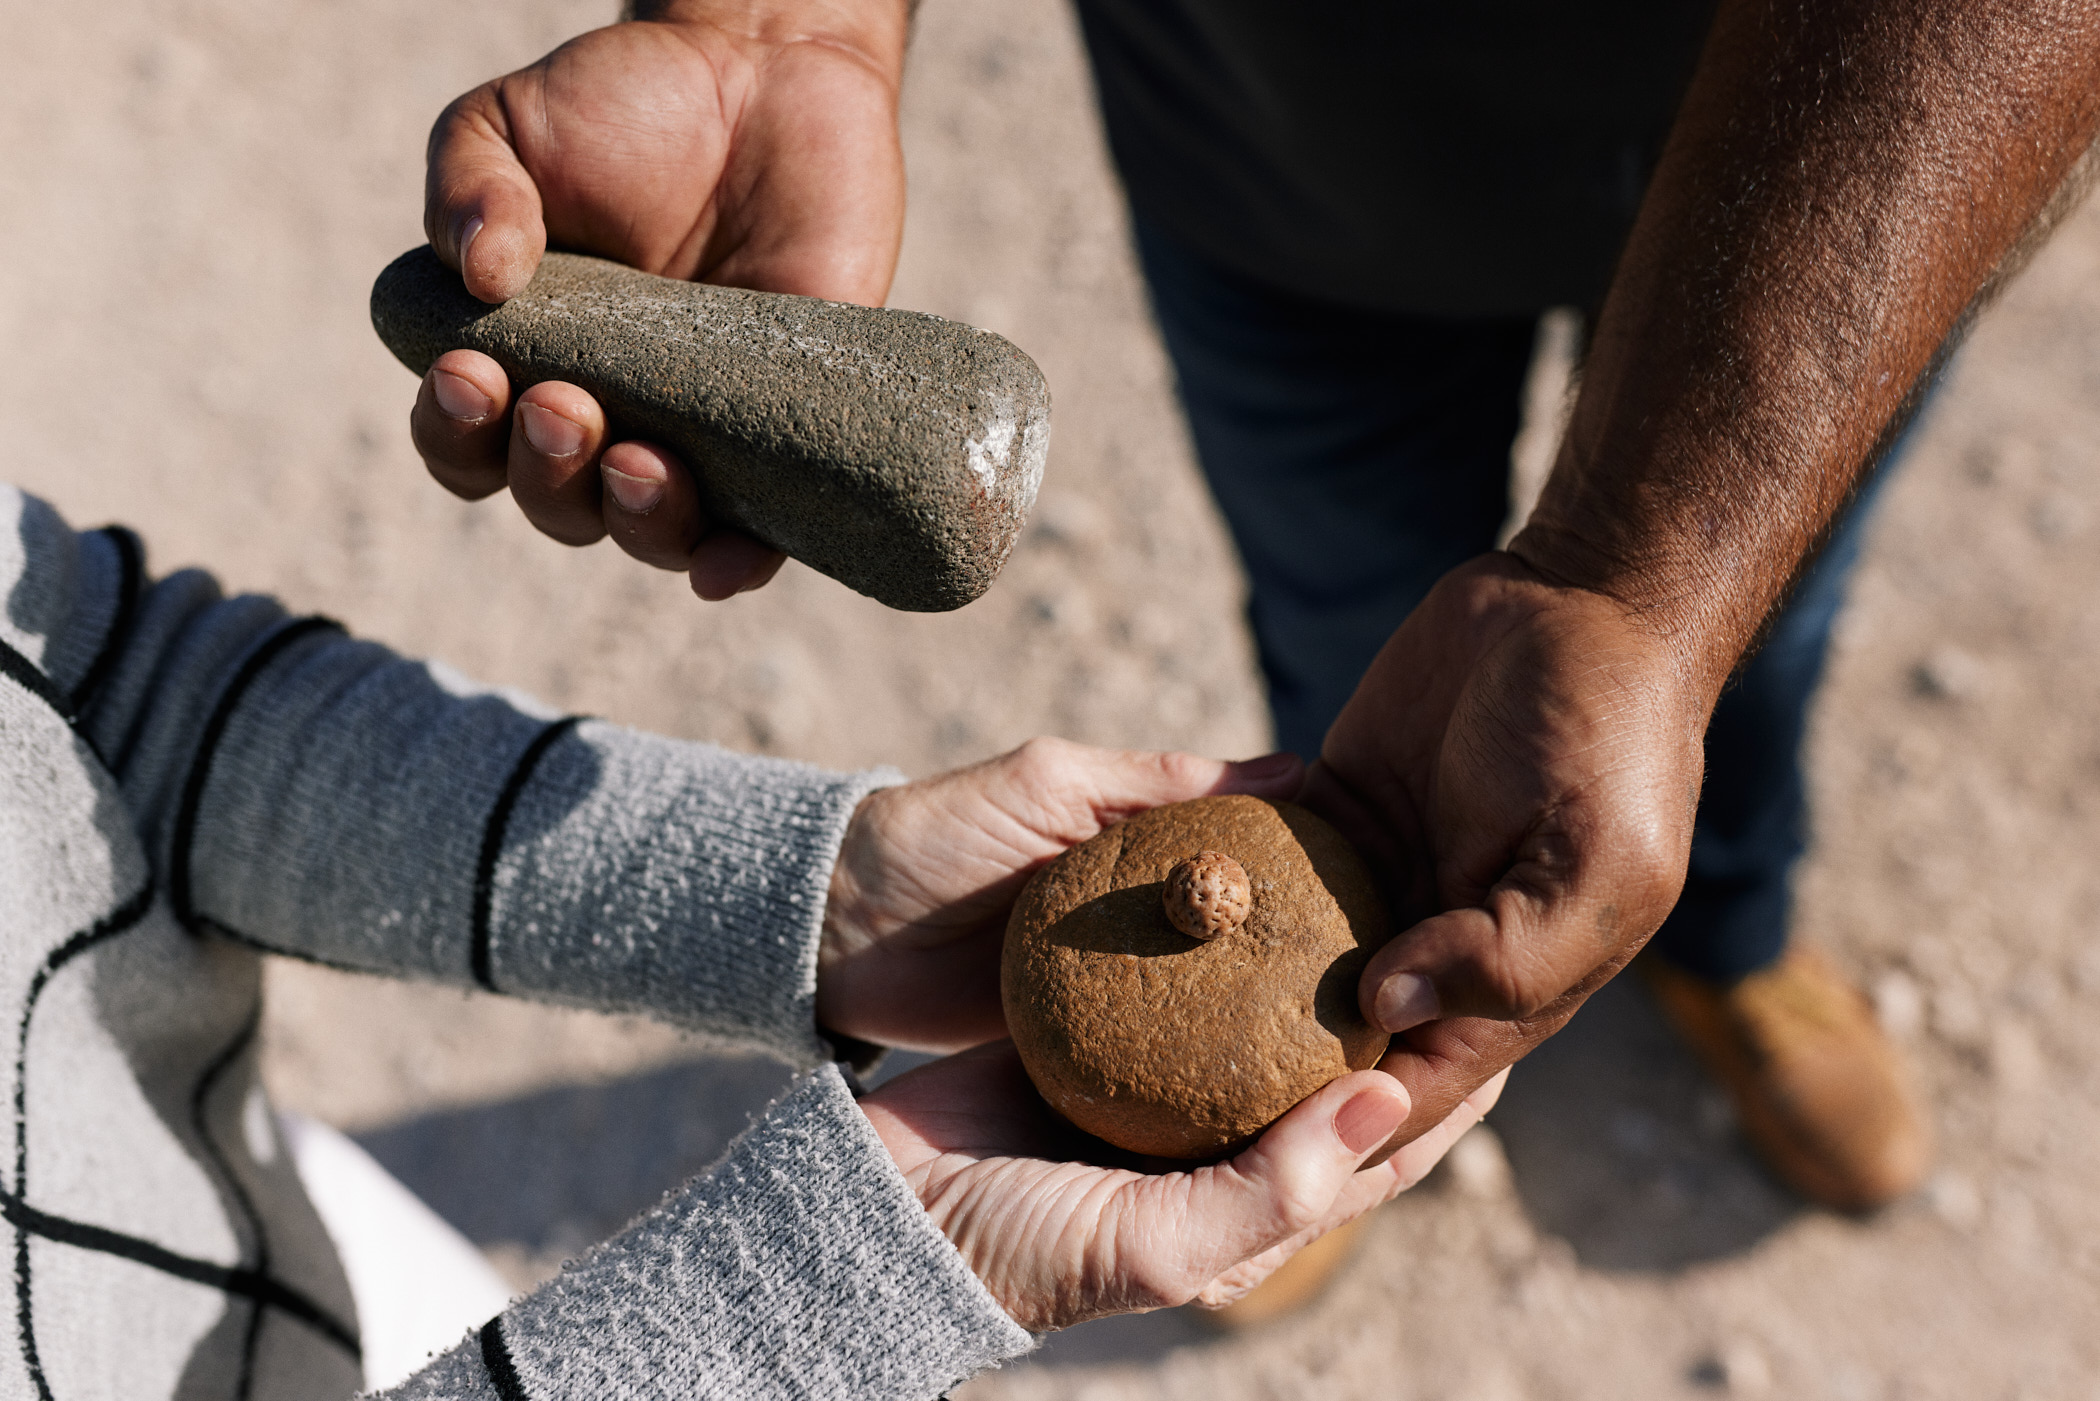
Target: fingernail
[(468, 232), (635, 495), (1405, 1000), (459, 398), (1368, 1119), (550, 434)]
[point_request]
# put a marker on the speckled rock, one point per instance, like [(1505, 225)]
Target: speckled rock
[(897, 452), (1180, 1047)]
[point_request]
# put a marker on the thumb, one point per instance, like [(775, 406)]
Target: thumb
[(1287, 1182), (1067, 792), (1578, 899), (481, 211), (1129, 781), (1278, 775)]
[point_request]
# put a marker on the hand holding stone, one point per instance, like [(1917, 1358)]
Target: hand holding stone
[(1057, 1241), (720, 142), (928, 871), (1521, 762), (897, 452)]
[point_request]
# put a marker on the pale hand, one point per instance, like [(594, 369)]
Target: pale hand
[(928, 872), (1058, 1241)]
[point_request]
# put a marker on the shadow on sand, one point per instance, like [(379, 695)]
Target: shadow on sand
[(1616, 1142), (1620, 1145), (552, 1173)]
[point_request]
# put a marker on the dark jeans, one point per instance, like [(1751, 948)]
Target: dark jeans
[(1359, 455)]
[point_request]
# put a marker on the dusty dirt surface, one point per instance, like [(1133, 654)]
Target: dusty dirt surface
[(193, 200)]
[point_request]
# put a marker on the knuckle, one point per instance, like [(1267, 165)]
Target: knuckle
[(473, 112), (1154, 1284), (1300, 1200), (1181, 770), (1516, 992), (1029, 752), (1045, 755), (456, 110)]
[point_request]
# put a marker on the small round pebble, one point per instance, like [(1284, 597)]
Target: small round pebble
[(1207, 895)]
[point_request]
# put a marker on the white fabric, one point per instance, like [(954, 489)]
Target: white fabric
[(419, 1283)]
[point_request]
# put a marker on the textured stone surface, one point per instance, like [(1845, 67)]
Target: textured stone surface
[(1207, 895), (897, 452), (1185, 1048)]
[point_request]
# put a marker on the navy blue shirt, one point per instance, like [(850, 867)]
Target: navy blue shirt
[(1479, 158)]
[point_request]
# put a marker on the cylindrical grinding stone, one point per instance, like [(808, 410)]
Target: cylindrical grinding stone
[(1185, 1047), (897, 452)]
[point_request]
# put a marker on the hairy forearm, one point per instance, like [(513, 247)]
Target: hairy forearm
[(1841, 185)]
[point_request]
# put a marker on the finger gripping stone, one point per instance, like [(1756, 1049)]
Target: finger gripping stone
[(897, 452)]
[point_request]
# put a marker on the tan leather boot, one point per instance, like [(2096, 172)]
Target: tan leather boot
[(1818, 1088)]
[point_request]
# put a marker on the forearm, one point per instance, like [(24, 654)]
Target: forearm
[(360, 810), (801, 1265), (1842, 182), (323, 797)]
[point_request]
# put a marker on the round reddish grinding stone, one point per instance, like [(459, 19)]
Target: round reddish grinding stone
[(1180, 1048)]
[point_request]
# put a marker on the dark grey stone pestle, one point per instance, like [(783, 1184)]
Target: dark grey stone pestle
[(897, 452)]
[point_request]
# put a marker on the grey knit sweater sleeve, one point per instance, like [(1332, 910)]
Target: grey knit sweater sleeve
[(298, 790), (320, 796), (800, 1266)]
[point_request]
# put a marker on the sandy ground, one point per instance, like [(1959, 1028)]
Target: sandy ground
[(193, 199)]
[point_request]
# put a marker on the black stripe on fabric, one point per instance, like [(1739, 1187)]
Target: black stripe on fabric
[(30, 677), (246, 1283), (28, 1221), (131, 561), (495, 1356), (118, 921), (200, 1093), (250, 1338), (125, 917), (492, 844), (207, 747), (25, 1321)]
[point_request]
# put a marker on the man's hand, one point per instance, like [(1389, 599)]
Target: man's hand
[(928, 873), (1842, 184), (748, 144), (1523, 761), (1057, 1242)]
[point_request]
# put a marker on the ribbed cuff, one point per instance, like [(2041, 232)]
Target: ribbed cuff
[(673, 879), (800, 1266)]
